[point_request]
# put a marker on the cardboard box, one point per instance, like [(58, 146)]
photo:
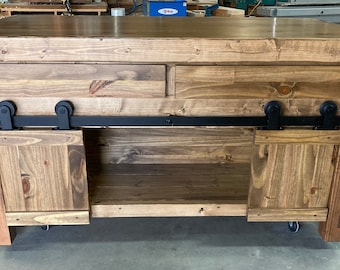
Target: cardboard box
[(168, 8)]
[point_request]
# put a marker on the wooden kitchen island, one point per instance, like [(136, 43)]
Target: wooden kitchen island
[(151, 117)]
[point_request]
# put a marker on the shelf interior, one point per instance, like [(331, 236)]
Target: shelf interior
[(171, 171), (170, 190)]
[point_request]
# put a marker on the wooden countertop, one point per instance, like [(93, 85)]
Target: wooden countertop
[(42, 38), (160, 27)]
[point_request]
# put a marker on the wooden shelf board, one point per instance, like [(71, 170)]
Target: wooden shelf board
[(170, 190)]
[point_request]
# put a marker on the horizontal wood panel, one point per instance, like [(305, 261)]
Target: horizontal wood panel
[(169, 194), (86, 88), (279, 215), (67, 80), (194, 82), (145, 40), (168, 145), (178, 28), (289, 136), (78, 72), (191, 170), (230, 185), (47, 218), (168, 210), (190, 50), (40, 137), (107, 106)]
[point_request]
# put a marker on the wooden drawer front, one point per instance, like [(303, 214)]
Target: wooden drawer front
[(291, 169), (43, 171), (92, 88), (245, 89)]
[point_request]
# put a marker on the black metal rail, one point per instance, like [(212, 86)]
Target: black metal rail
[(64, 119)]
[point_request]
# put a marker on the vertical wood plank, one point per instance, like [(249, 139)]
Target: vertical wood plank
[(78, 176), (171, 81), (17, 184), (5, 234), (330, 230)]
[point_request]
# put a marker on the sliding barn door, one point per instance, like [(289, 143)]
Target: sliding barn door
[(291, 174), (43, 177)]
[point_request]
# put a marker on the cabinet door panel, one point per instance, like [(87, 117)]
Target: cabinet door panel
[(43, 171), (290, 170)]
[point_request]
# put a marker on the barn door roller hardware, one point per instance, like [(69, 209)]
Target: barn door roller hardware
[(64, 119), (328, 111), (328, 120)]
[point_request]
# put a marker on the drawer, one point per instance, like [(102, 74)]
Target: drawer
[(245, 89), (102, 87)]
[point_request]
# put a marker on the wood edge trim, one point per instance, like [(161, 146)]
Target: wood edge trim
[(283, 215), (168, 210), (47, 218)]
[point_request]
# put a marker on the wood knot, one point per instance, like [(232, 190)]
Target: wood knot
[(26, 185), (284, 90), (314, 191)]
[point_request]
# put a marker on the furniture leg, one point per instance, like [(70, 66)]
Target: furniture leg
[(330, 230), (6, 233)]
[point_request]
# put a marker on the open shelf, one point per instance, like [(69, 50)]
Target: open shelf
[(137, 190)]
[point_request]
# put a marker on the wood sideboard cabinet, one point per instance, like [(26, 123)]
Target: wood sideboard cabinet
[(152, 117)]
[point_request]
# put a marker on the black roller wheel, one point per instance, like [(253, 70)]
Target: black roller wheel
[(272, 106), (10, 105), (294, 226), (66, 104), (45, 227), (328, 107)]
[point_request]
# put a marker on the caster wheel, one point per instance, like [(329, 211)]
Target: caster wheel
[(294, 226), (45, 227)]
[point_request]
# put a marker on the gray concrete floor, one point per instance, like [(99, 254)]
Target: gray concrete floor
[(171, 243)]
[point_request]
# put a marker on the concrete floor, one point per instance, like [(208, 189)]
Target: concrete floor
[(207, 243)]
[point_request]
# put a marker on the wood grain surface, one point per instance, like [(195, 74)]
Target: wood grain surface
[(5, 235), (297, 136), (170, 190), (291, 175), (68, 80), (287, 214), (144, 66), (160, 27), (47, 218), (276, 82), (330, 230), (168, 210), (40, 173), (168, 145), (158, 40)]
